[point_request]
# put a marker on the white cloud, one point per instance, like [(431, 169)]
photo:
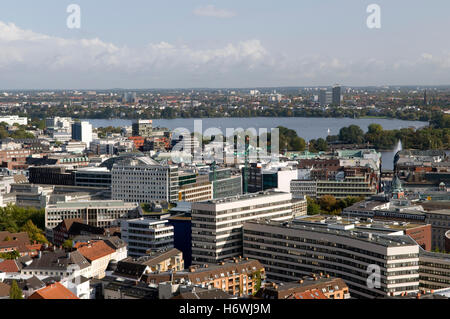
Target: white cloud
[(212, 11), (33, 60)]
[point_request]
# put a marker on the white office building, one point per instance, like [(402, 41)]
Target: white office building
[(143, 180), (217, 224), (100, 213), (14, 119), (292, 250), (82, 131), (145, 235)]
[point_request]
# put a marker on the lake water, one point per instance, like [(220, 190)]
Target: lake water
[(307, 128)]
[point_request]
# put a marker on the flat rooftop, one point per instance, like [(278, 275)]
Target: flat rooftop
[(357, 234), (93, 204), (244, 197)]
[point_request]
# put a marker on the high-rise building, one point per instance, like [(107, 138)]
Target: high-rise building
[(217, 224), (82, 131), (337, 97), (143, 128), (129, 97)]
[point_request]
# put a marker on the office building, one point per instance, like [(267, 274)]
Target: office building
[(142, 128), (93, 177), (82, 131), (325, 97), (434, 270), (143, 180), (103, 213), (217, 224), (146, 235), (292, 250), (14, 119), (337, 95)]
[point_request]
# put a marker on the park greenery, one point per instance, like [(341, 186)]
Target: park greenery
[(329, 205), (19, 132), (18, 219), (434, 136)]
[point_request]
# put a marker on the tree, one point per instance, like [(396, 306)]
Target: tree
[(34, 232), (313, 208), (68, 244), (327, 203), (15, 292), (10, 255), (352, 134)]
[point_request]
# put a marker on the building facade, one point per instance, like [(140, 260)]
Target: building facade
[(102, 213), (143, 180), (217, 224), (146, 235), (289, 251)]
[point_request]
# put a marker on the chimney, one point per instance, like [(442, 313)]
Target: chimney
[(418, 295)]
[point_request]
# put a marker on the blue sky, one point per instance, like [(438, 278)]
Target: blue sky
[(182, 43)]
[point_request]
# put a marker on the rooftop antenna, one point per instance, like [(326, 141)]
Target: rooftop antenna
[(246, 165)]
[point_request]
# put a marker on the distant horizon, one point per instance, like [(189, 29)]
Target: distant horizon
[(232, 88)]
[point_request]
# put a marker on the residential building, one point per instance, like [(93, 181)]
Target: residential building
[(237, 277), (54, 291), (99, 254), (330, 287), (58, 263), (158, 261)]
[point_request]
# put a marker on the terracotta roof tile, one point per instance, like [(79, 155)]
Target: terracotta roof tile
[(9, 266), (53, 291), (95, 250)]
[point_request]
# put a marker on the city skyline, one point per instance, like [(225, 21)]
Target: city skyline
[(221, 44)]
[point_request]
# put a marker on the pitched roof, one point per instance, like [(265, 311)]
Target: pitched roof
[(9, 266), (53, 291), (129, 269), (204, 294), (15, 240), (312, 294), (4, 289), (95, 250), (58, 260), (31, 283)]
